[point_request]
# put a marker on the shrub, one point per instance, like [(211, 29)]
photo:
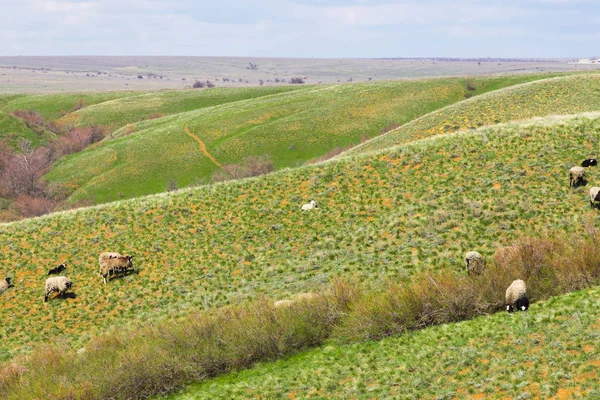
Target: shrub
[(297, 81), (129, 129), (78, 139), (33, 206), (251, 166), (22, 171), (198, 85), (79, 104)]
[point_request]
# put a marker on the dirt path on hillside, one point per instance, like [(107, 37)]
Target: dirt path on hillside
[(202, 146)]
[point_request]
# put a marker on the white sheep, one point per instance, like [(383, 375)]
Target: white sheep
[(576, 176), (474, 263), (114, 266), (5, 284), (516, 296), (58, 284), (309, 206), (594, 195)]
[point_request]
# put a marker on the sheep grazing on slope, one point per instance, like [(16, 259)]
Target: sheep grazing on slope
[(516, 296), (310, 206), (107, 255), (577, 176), (114, 266), (590, 162), (5, 284), (58, 284), (594, 195), (58, 269), (474, 263)]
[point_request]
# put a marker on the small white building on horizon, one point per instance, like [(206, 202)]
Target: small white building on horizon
[(593, 60)]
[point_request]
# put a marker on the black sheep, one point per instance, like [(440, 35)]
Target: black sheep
[(590, 162), (58, 269)]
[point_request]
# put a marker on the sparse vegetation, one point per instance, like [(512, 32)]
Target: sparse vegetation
[(208, 344)]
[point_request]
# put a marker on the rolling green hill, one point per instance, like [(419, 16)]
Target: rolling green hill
[(382, 216), (561, 95), (112, 109), (550, 352), (140, 106), (291, 128), (50, 107)]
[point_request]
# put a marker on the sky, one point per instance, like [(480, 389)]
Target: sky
[(302, 28)]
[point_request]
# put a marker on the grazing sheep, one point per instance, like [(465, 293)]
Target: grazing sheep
[(107, 255), (58, 284), (58, 269), (594, 195), (5, 284), (310, 206), (590, 162), (474, 263), (114, 266), (516, 296), (577, 176)]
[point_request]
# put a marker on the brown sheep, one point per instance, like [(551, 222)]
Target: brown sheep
[(114, 266)]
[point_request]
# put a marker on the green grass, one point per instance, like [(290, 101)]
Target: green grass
[(112, 109), (549, 351), (140, 106), (562, 95), (382, 217), (55, 106), (290, 128)]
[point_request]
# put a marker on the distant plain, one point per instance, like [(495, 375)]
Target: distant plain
[(74, 74)]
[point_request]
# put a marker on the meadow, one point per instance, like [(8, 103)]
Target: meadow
[(549, 352), (290, 127), (382, 216), (562, 95)]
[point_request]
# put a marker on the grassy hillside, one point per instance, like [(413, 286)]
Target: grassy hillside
[(561, 95), (54, 106), (290, 128), (550, 352), (11, 128), (131, 109), (381, 216), (112, 109)]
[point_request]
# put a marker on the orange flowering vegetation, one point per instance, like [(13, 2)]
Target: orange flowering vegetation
[(556, 96), (288, 127), (217, 245)]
